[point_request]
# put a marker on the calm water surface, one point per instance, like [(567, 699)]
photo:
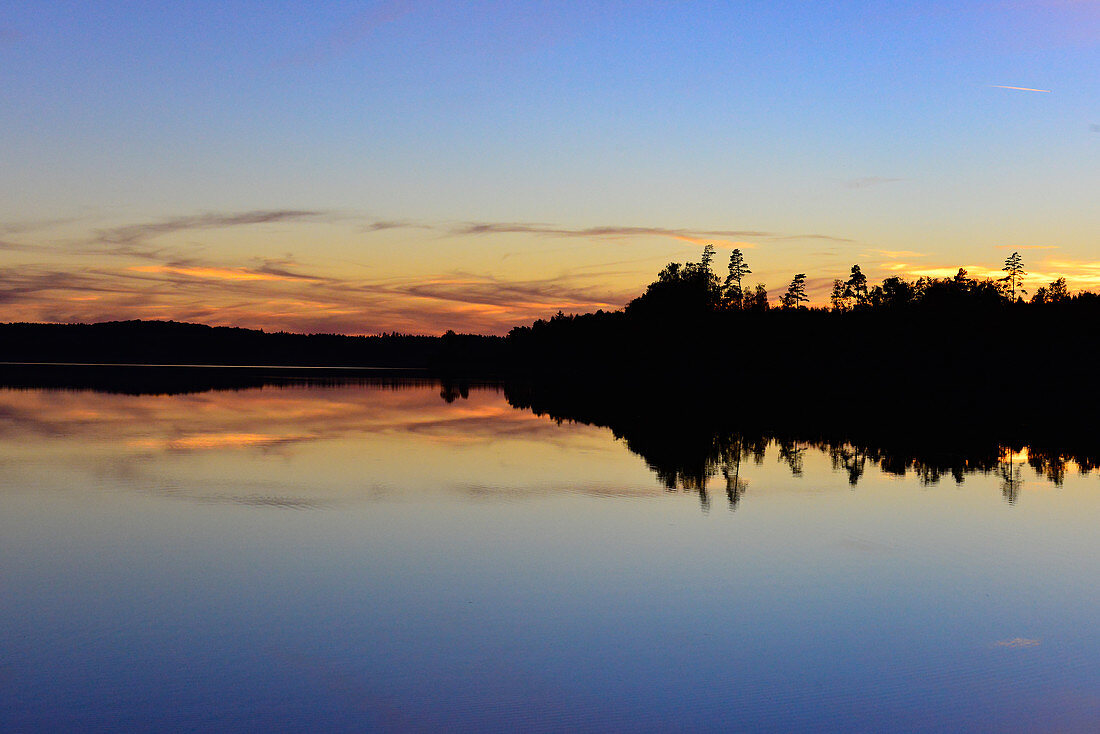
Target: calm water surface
[(362, 558)]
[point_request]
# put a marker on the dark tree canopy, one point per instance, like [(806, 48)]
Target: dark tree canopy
[(796, 292), (738, 269), (856, 287), (1014, 273)]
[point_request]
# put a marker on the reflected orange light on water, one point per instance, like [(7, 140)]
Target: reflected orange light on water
[(310, 445), (287, 414)]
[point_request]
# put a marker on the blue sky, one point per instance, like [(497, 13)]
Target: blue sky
[(844, 132)]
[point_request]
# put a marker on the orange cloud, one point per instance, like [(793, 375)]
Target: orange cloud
[(201, 441), (214, 273), (973, 271)]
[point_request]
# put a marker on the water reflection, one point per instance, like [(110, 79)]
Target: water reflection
[(428, 555), (689, 448), (305, 444)]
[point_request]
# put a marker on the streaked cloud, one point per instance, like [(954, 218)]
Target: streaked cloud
[(898, 253), (1017, 642), (353, 33), (1018, 89), (215, 273), (1079, 274), (133, 234), (17, 247), (208, 440), (566, 293), (482, 228), (702, 241), (35, 225), (37, 284), (734, 237), (818, 289), (973, 271), (282, 294), (868, 181), (826, 237), (155, 269)]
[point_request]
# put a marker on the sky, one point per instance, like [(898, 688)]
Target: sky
[(399, 165)]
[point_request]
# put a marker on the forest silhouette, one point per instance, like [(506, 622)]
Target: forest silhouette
[(965, 352), (968, 353)]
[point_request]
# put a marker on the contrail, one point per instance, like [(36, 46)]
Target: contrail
[(1022, 89)]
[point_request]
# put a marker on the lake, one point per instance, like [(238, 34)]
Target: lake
[(396, 555)]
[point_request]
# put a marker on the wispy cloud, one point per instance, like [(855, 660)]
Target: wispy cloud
[(1079, 274), (973, 271), (562, 292), (868, 181), (1018, 89), (898, 253), (35, 225), (29, 284), (483, 228), (826, 237), (286, 295), (1083, 271), (133, 234), (143, 272), (217, 273), (733, 237), (137, 241), (17, 247), (1017, 642), (353, 33), (381, 226)]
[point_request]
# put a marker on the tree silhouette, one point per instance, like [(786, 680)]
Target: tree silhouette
[(738, 269), (680, 290), (838, 297), (1014, 272), (857, 286), (1056, 292), (708, 258), (897, 292), (796, 292), (758, 301)]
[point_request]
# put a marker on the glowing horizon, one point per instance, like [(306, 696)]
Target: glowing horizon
[(418, 168)]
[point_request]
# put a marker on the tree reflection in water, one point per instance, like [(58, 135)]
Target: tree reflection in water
[(688, 448)]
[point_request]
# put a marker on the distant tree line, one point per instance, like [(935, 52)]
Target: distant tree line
[(176, 343), (956, 345), (695, 286)]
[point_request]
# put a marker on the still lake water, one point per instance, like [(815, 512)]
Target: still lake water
[(359, 557)]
